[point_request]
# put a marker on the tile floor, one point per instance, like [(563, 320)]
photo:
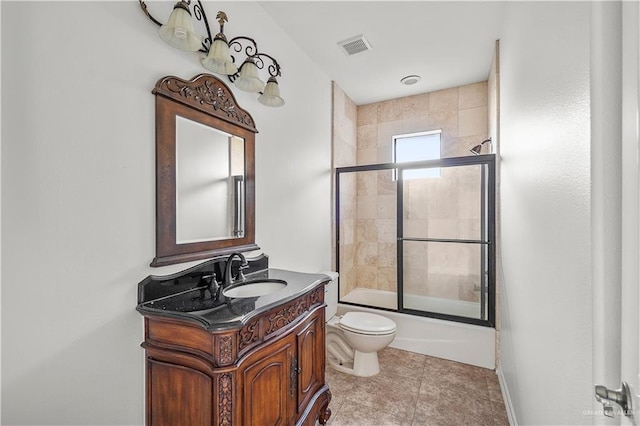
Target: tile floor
[(415, 390)]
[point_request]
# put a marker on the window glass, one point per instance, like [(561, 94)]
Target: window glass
[(418, 147)]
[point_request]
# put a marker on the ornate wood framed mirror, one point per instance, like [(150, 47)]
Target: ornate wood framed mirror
[(205, 171)]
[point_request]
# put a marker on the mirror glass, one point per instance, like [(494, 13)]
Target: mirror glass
[(205, 171), (209, 183)]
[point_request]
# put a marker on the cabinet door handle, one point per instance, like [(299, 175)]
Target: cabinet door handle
[(293, 377)]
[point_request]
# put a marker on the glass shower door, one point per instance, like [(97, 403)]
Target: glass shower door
[(418, 238), (367, 235), (445, 240)]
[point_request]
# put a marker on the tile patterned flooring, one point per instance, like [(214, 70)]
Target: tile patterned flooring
[(415, 390)]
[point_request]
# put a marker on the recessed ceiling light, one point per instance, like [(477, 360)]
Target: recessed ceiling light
[(410, 79)]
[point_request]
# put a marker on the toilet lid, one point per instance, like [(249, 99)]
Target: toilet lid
[(363, 322)]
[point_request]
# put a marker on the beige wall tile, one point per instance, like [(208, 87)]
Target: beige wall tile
[(367, 276), (469, 204), (366, 230), (443, 228), (390, 110), (338, 101), (444, 100), (344, 153), (416, 204), (347, 231), (386, 230), (368, 114), (386, 132), (421, 123), (473, 121), (367, 136), (366, 254), (386, 184), (367, 156), (366, 207), (387, 278), (416, 256), (387, 253), (367, 183), (350, 110), (467, 293), (469, 229), (415, 227), (384, 154), (447, 121), (414, 281), (441, 285), (387, 207), (347, 206), (415, 106), (473, 95)]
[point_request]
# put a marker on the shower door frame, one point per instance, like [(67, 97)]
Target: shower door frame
[(487, 238)]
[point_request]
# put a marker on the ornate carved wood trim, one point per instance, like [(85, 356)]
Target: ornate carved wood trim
[(208, 94), (287, 314), (225, 399), (249, 334), (317, 296), (225, 350)]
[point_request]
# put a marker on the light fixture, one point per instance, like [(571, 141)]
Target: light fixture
[(219, 58), (248, 80), (478, 148), (410, 79), (271, 94), (178, 32)]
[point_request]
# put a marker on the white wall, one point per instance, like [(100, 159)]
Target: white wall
[(546, 317), (78, 184)]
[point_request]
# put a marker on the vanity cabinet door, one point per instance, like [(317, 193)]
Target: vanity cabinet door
[(310, 346), (267, 388), (177, 395)]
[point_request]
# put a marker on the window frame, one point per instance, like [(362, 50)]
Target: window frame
[(394, 146)]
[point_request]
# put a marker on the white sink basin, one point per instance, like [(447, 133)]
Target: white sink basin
[(254, 288)]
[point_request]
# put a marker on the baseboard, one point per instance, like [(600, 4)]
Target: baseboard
[(507, 398)]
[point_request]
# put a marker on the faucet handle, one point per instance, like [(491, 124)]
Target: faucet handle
[(212, 285), (243, 265), (240, 276)]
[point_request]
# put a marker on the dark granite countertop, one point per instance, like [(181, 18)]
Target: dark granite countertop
[(197, 306)]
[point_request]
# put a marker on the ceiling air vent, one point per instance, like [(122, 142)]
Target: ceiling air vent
[(354, 45)]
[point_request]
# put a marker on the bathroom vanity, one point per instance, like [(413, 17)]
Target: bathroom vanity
[(248, 360)]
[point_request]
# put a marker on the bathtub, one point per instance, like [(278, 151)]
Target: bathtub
[(466, 343)]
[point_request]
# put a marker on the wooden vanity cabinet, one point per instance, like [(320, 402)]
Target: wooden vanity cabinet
[(268, 372)]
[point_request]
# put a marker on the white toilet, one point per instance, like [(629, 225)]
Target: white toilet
[(354, 339)]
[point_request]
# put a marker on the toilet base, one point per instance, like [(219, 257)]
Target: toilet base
[(362, 365)]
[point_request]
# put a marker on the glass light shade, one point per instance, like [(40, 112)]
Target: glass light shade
[(248, 79), (219, 59), (271, 94), (178, 31)]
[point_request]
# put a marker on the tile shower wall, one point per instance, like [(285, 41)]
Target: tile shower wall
[(370, 227), (344, 154)]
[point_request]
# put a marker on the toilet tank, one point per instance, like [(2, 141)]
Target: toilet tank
[(331, 295)]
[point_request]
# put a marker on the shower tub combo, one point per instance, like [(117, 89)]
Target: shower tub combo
[(419, 248)]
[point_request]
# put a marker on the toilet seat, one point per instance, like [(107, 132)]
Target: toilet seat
[(367, 323)]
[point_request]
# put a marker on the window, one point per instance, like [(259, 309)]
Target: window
[(417, 147)]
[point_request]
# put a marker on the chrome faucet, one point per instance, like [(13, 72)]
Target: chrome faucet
[(228, 279)]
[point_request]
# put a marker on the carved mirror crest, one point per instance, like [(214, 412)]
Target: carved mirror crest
[(205, 171)]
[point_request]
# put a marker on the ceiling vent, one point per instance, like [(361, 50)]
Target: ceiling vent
[(354, 45)]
